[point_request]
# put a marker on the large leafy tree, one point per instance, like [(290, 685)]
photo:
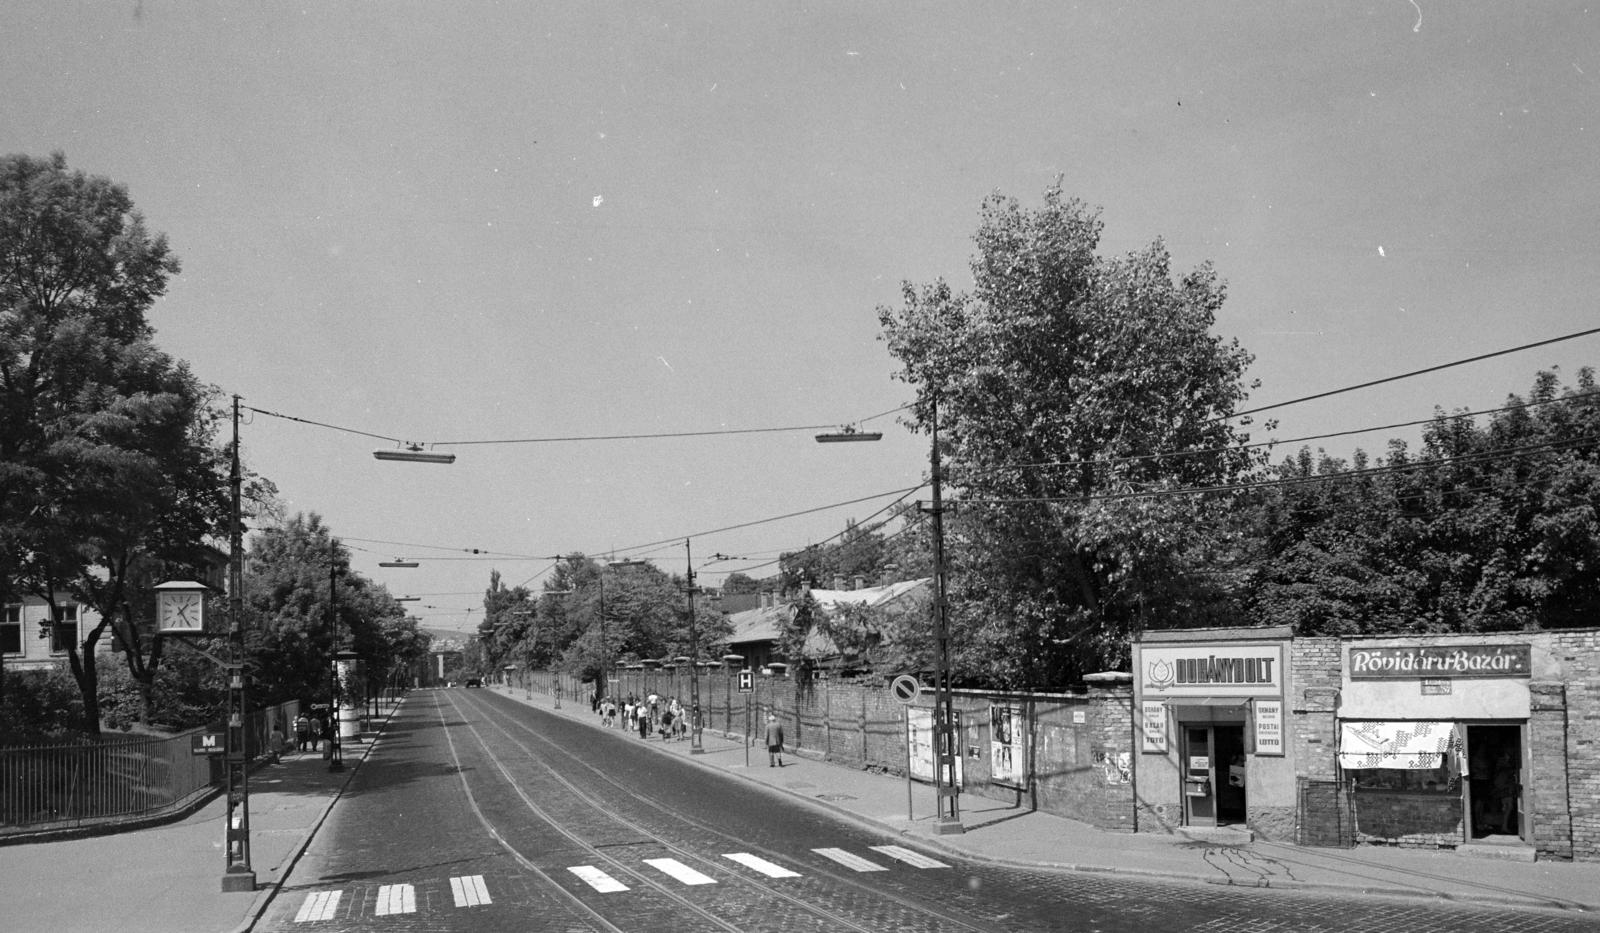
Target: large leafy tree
[(1070, 391), (1483, 528), (303, 603), (109, 469)]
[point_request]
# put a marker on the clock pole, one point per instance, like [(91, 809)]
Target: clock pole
[(238, 875)]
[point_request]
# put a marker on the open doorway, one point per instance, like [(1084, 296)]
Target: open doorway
[(1231, 777), (1494, 763)]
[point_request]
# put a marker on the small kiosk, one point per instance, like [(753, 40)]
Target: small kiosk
[(1210, 711)]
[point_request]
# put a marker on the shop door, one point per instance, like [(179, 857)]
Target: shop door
[(1494, 789), (1199, 787), (1228, 753)]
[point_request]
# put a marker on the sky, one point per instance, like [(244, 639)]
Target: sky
[(472, 221)]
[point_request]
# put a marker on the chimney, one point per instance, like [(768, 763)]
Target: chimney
[(838, 581), (861, 583)]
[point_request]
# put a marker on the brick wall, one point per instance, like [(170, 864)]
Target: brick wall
[(1315, 667), (1580, 657)]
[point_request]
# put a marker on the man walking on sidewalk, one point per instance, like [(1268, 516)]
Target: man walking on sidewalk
[(774, 742)]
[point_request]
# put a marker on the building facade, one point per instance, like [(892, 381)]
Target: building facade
[(32, 639), (1437, 741)]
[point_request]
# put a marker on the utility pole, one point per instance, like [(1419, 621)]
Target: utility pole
[(695, 748), (944, 729), (238, 876)]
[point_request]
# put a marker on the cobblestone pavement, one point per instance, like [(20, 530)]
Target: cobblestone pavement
[(479, 814)]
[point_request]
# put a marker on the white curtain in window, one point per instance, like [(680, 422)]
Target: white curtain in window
[(1405, 745)]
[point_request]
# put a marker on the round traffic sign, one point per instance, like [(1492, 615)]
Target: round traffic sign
[(906, 689)]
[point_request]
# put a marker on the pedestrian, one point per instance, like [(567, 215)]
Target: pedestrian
[(644, 724), (774, 742), (302, 731), (666, 724), (276, 740)]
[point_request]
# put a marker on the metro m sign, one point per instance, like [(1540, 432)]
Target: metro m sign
[(205, 743)]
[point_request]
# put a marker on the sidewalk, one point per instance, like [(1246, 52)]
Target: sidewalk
[(999, 832), (168, 878)]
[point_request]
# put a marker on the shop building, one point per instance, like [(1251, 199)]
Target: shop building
[(1211, 731), (1478, 743)]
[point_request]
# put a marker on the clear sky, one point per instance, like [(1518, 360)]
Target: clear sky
[(481, 221)]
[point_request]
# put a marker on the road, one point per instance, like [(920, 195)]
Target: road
[(479, 813)]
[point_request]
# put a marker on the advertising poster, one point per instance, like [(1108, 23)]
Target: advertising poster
[(1153, 726), (1007, 753), (1269, 727), (919, 742)]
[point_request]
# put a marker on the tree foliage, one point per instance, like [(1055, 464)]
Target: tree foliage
[(109, 468), (1482, 529), (1062, 383)]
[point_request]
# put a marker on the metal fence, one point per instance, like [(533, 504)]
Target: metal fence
[(54, 784), (63, 785)]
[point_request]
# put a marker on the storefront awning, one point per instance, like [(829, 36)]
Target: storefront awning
[(1387, 744)]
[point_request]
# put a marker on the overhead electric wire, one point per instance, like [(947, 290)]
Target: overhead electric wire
[(322, 424), (1418, 372)]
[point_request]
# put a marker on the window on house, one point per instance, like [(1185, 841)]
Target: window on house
[(11, 630), (64, 631)]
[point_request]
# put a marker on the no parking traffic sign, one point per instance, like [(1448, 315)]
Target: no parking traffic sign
[(906, 689)]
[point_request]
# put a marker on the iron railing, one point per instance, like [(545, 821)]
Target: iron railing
[(78, 783)]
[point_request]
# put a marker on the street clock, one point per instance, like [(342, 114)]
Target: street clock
[(181, 608)]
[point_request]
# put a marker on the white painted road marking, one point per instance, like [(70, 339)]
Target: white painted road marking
[(597, 879), (849, 860), (319, 905), (396, 899), (916, 859), (469, 891), (679, 871), (760, 864)]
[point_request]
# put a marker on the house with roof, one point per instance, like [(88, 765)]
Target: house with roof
[(757, 632)]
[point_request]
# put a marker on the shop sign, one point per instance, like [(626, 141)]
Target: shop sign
[(1268, 715), (1153, 722), (1212, 670), (1433, 662)]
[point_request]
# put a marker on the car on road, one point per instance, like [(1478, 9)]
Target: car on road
[(474, 682)]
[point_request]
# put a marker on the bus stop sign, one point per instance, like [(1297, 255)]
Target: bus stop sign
[(746, 682)]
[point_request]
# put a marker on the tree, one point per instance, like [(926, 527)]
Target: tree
[(1070, 390), (303, 602), (740, 584), (1482, 529), (108, 462)]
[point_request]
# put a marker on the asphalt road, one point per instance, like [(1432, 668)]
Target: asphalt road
[(479, 813)]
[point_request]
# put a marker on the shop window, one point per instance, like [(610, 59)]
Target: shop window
[(64, 631), (1441, 780), (11, 630)]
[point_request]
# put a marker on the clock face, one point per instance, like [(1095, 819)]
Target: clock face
[(180, 612)]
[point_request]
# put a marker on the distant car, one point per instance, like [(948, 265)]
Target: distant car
[(474, 681)]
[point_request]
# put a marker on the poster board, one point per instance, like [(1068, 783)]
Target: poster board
[(1008, 748), (919, 744)]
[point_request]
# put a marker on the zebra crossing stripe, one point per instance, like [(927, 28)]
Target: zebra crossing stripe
[(469, 891), (761, 865), (849, 860), (597, 879), (914, 859), (679, 871), (396, 899), (319, 905)]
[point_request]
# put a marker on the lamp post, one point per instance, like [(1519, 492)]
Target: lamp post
[(335, 738), (947, 792), (238, 875)]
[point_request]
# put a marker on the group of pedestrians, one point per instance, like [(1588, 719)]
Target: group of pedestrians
[(310, 731), (647, 715)]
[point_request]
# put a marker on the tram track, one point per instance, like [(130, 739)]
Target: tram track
[(520, 735)]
